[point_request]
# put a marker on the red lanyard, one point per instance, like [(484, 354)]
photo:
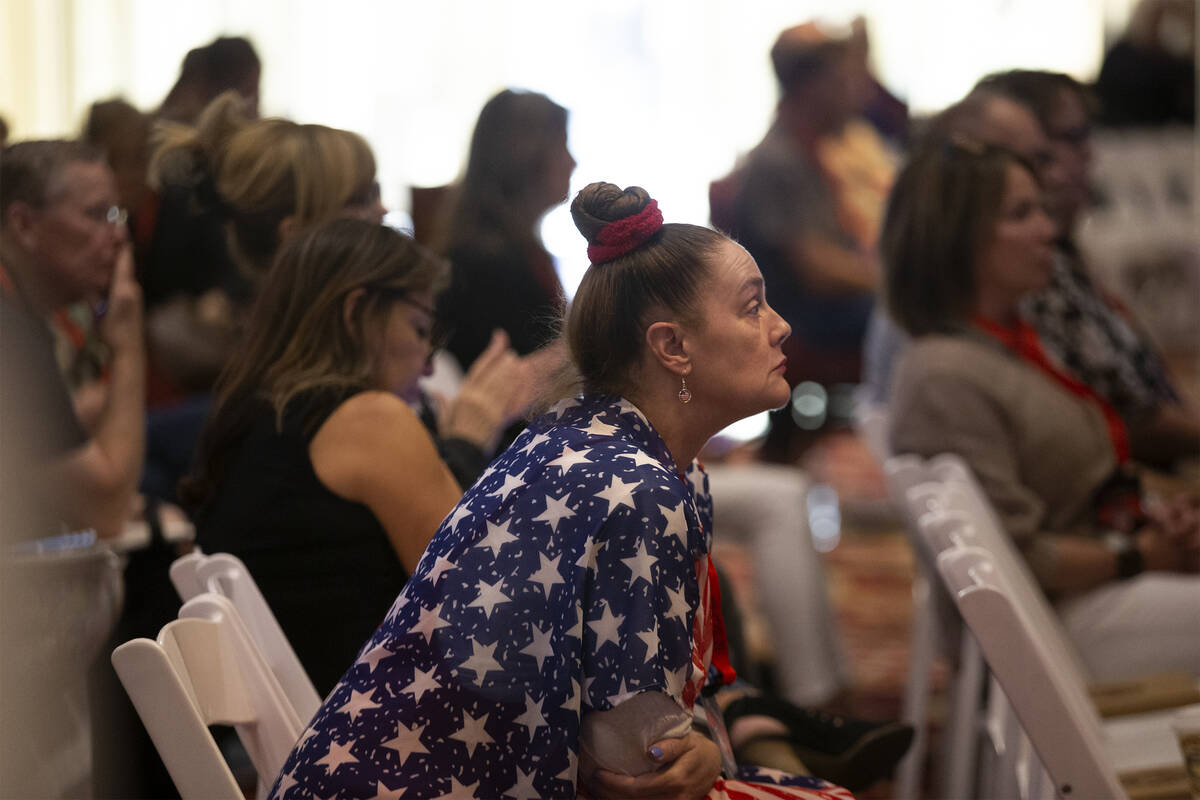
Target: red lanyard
[(720, 655), (1023, 340)]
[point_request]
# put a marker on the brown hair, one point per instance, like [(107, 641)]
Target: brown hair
[(297, 339), (30, 171), (225, 63), (942, 208), (617, 300), (499, 195), (1039, 91), (261, 171)]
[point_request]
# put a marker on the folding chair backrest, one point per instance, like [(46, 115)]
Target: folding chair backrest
[(204, 670), (226, 575), (183, 575), (1047, 699), (966, 497)]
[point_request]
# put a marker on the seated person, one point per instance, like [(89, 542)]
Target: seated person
[(63, 241), (965, 241), (312, 468), (1042, 117), (518, 169), (562, 624)]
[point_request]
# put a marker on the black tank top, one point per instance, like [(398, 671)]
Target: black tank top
[(323, 563)]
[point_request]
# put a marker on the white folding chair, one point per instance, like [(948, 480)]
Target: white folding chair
[(204, 669), (937, 629), (226, 575), (1052, 706)]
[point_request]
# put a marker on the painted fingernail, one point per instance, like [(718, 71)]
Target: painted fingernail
[(656, 752)]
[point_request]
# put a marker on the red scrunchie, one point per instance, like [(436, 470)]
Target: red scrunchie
[(618, 238)]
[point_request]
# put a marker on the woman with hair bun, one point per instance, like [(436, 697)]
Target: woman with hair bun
[(565, 620)]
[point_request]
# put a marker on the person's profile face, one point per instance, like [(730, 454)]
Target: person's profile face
[(1069, 129), (556, 172), (1018, 256), (402, 351), (736, 349), (80, 231)]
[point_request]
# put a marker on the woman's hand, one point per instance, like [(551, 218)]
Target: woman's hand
[(690, 767), (494, 392)]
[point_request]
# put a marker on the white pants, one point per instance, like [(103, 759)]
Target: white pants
[(1136, 627), (762, 507)]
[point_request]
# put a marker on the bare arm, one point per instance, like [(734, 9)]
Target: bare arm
[(374, 450), (101, 476)]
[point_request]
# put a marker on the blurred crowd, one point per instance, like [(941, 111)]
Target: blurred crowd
[(203, 317)]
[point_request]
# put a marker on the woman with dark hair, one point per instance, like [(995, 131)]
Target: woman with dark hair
[(966, 238), (563, 622), (312, 468), (518, 169), (226, 63)]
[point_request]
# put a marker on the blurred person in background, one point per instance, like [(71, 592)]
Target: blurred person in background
[(1148, 77), (1089, 330), (966, 241), (226, 63), (63, 241), (241, 187), (312, 468), (1044, 118), (806, 203), (518, 169)]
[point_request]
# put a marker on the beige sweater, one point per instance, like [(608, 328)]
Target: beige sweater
[(1039, 452)]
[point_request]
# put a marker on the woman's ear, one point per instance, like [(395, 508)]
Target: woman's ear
[(350, 311), (665, 342), (21, 224)]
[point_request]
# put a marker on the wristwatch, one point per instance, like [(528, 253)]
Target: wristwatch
[(1129, 558)]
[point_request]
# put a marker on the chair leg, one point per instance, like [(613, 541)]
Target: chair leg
[(916, 693), (962, 735)]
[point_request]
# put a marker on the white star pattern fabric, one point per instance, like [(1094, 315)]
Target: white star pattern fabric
[(572, 576)]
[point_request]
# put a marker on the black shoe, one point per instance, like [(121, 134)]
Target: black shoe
[(850, 752)]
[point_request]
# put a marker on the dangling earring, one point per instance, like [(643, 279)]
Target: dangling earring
[(685, 394)]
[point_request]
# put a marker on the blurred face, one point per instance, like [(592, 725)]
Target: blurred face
[(1019, 254), (560, 164), (366, 205), (1014, 127), (1069, 129), (403, 349), (77, 235), (738, 363)]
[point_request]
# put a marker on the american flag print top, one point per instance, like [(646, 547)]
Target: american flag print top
[(569, 578)]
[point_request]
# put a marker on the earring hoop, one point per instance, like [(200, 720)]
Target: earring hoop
[(685, 394)]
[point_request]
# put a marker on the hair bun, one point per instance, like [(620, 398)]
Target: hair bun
[(598, 204)]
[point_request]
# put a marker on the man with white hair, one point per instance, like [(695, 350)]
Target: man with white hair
[(62, 241)]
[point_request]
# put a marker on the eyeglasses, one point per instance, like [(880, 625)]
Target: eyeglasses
[(110, 215), (1076, 136)]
